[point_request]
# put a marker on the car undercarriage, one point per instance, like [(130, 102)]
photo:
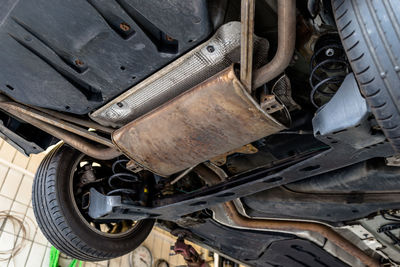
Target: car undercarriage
[(266, 130)]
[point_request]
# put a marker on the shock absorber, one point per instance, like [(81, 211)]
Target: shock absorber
[(328, 68)]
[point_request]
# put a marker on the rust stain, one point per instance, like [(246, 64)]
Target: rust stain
[(211, 119)]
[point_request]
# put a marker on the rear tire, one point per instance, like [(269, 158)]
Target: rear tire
[(59, 220), (370, 33)]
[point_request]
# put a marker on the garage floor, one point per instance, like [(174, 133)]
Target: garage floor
[(16, 177)]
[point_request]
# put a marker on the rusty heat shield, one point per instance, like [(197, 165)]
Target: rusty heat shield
[(208, 120), (211, 57)]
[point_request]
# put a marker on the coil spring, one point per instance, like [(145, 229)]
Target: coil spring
[(328, 70), (124, 177)]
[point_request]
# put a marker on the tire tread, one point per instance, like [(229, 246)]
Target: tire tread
[(374, 56)]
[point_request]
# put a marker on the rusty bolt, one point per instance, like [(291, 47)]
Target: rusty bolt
[(169, 38), (124, 26), (78, 62)]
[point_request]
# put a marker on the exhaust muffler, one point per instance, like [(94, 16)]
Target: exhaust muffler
[(216, 116)]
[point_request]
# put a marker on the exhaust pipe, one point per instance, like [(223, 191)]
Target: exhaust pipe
[(212, 176), (281, 225), (79, 138), (286, 44)]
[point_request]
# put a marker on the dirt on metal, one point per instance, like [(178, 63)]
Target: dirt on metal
[(213, 118)]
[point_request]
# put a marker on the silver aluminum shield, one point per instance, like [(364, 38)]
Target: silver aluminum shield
[(196, 66)]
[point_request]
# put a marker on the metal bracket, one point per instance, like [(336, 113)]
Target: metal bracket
[(270, 104), (104, 207)]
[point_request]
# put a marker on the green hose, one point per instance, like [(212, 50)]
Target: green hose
[(73, 263), (55, 255)]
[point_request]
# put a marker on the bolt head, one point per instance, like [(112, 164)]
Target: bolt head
[(210, 48)]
